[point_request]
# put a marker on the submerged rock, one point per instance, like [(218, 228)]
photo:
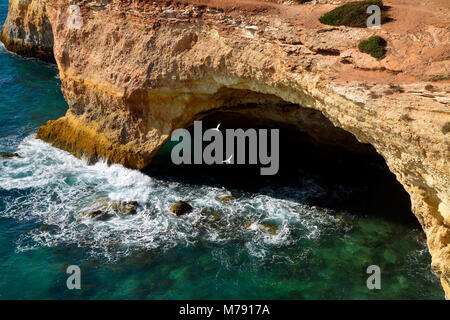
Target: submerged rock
[(337, 221), (180, 208), (104, 208), (96, 215), (9, 155), (211, 215), (217, 215), (263, 227), (268, 228), (342, 221), (226, 199), (128, 207), (102, 202)]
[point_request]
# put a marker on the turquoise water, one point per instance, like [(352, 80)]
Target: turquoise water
[(219, 251)]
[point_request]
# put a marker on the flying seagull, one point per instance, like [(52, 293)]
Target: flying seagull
[(217, 129), (228, 161)]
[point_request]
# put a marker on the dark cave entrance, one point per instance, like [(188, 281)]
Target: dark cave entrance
[(354, 176)]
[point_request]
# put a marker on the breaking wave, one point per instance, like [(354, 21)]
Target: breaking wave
[(51, 187)]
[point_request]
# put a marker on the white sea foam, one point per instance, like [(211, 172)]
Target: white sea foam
[(51, 187)]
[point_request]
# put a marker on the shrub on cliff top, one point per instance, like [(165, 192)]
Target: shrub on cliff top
[(373, 46), (352, 14)]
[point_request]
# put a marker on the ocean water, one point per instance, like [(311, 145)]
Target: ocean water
[(219, 251)]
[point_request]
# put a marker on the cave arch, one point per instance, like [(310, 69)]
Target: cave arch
[(310, 144)]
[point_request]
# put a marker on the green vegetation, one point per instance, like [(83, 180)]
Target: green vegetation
[(375, 46), (352, 14)]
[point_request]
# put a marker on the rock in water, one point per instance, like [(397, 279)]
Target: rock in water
[(96, 215), (226, 199), (263, 227), (128, 207), (103, 209), (211, 215), (216, 216), (268, 228), (181, 208), (9, 155)]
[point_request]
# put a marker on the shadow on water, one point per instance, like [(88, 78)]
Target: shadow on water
[(359, 183)]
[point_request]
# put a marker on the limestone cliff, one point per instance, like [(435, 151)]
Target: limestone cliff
[(137, 70), (27, 30)]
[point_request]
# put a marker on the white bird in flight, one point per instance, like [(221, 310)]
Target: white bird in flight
[(217, 129), (228, 161)]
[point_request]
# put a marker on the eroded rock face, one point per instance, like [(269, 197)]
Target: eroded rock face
[(138, 70), (27, 30)]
